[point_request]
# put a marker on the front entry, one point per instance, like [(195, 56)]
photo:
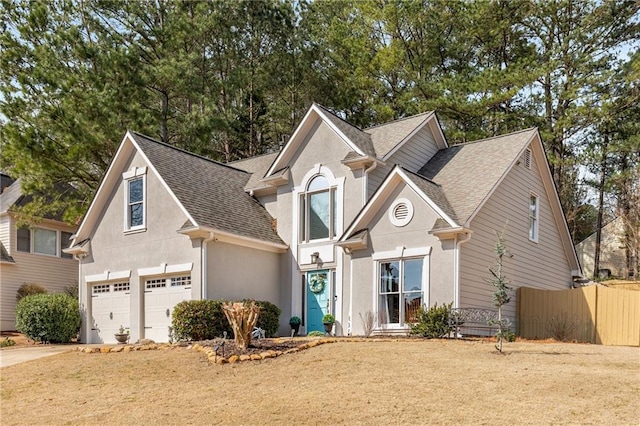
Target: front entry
[(317, 299)]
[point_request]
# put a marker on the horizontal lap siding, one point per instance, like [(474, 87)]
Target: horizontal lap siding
[(5, 225), (53, 273), (414, 154), (541, 265)]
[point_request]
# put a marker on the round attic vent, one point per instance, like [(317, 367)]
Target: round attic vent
[(401, 212)]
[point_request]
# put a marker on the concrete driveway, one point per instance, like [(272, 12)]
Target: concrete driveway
[(11, 356)]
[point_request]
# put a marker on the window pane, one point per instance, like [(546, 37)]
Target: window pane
[(389, 277), (303, 216), (319, 215), (45, 241), (64, 243), (135, 191), (24, 240), (412, 302), (389, 311), (413, 275), (318, 182), (135, 213), (334, 212)]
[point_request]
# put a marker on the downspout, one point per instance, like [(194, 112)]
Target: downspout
[(456, 290), (350, 320), (365, 191), (81, 294), (203, 264)]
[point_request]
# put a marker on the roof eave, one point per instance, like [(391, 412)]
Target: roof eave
[(217, 235)]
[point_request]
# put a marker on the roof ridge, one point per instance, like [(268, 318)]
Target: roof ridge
[(397, 120), (504, 135), (184, 151), (251, 158)]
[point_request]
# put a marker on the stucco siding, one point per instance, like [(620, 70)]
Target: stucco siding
[(114, 250), (384, 236), (542, 264), (236, 273)]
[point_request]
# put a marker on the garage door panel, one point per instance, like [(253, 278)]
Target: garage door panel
[(109, 311), (160, 297)]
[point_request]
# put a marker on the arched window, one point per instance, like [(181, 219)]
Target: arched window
[(318, 210)]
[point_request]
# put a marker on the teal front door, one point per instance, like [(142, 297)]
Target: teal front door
[(317, 299)]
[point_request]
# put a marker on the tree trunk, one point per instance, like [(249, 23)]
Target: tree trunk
[(603, 176)]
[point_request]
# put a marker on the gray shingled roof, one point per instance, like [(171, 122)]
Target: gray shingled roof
[(361, 139), (434, 192), (257, 166), (212, 193), (4, 255), (386, 136), (468, 172)]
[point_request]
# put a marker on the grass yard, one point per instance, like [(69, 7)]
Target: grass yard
[(406, 382)]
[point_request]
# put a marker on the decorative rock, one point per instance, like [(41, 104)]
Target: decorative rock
[(255, 357), (313, 344), (127, 349), (265, 355), (245, 358), (221, 361), (117, 349), (278, 353), (197, 347), (105, 349), (292, 351), (233, 359), (273, 353)]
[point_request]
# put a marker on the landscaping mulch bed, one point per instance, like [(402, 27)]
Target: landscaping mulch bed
[(257, 346)]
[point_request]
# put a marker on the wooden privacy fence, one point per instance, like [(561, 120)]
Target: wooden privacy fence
[(593, 314)]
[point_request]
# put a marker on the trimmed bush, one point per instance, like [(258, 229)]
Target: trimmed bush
[(28, 289), (199, 320), (205, 320), (269, 318), (51, 318), (433, 322)]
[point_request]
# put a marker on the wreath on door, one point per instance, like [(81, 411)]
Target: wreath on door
[(316, 284)]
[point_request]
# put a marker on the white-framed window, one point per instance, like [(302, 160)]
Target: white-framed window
[(534, 213), (49, 242), (318, 210), (164, 282), (400, 290), (135, 199)]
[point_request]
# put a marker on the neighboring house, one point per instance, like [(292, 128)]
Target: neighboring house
[(30, 254), (341, 220), (613, 253)]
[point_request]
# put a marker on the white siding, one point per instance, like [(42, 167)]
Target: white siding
[(414, 154), (541, 264), (5, 226)]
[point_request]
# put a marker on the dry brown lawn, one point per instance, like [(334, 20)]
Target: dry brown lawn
[(405, 382)]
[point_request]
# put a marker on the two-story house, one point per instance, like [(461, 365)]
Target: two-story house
[(341, 220)]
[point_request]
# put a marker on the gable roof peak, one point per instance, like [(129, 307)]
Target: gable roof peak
[(398, 120)]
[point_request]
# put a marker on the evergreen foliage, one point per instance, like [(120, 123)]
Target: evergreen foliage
[(53, 318), (28, 289), (433, 322)]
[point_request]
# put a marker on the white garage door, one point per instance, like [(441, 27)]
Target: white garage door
[(109, 311), (160, 296)]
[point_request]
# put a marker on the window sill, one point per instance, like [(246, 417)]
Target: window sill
[(135, 230)]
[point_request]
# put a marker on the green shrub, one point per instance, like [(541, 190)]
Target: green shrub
[(51, 318), (28, 289), (328, 319), (199, 320), (433, 322), (315, 333), (269, 319), (7, 342)]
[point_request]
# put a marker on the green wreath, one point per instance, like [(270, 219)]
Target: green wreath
[(316, 284)]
